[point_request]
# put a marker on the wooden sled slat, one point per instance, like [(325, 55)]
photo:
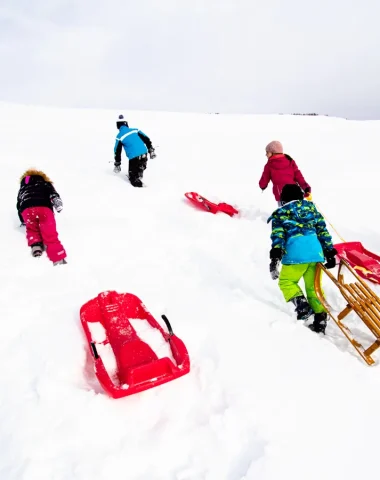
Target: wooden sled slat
[(360, 299)]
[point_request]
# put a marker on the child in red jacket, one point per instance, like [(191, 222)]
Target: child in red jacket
[(282, 170)]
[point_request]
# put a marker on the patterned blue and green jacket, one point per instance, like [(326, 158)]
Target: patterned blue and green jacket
[(300, 231)]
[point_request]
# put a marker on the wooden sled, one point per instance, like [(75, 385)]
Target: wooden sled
[(360, 299)]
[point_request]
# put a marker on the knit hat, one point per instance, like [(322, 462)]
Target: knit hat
[(274, 147), (291, 192), (121, 121)]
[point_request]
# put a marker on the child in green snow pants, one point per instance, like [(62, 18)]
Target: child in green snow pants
[(290, 275)]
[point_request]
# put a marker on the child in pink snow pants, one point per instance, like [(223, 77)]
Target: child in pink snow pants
[(35, 202)]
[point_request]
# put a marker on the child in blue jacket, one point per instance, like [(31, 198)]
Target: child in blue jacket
[(136, 145), (300, 240)]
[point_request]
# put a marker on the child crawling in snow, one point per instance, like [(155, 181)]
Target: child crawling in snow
[(35, 202), (300, 240)]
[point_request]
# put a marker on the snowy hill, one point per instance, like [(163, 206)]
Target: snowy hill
[(266, 399)]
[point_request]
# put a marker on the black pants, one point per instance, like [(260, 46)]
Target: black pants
[(137, 166)]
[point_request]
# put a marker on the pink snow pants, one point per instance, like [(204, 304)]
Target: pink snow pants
[(41, 227)]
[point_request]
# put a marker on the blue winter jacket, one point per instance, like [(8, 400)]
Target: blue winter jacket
[(134, 141), (300, 231)]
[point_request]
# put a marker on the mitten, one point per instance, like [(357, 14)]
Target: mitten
[(117, 168), (152, 153), (57, 204), (330, 258), (276, 253), (274, 268)]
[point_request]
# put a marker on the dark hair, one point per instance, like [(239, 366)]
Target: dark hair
[(291, 192)]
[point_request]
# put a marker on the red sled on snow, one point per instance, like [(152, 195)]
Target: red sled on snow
[(205, 204), (124, 363), (364, 262)]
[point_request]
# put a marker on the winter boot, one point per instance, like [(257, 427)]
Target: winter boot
[(320, 323), (303, 308), (136, 182), (37, 249), (60, 262)]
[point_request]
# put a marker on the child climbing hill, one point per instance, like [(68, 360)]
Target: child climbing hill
[(281, 170), (300, 240), (35, 202)]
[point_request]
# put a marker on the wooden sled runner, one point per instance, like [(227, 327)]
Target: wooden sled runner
[(360, 299)]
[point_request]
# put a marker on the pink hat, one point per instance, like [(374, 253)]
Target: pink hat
[(274, 147)]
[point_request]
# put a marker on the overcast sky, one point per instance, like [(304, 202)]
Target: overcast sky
[(230, 56)]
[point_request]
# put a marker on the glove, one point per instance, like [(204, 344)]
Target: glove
[(152, 153), (117, 168), (276, 253), (330, 258), (57, 204), (274, 268), (307, 191)]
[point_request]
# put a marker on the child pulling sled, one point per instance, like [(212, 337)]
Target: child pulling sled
[(35, 202), (300, 240), (282, 170)]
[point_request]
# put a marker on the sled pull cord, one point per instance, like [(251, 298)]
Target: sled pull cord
[(331, 225)]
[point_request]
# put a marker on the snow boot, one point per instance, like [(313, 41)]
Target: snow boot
[(137, 183), (320, 323), (37, 249), (303, 308), (60, 262)]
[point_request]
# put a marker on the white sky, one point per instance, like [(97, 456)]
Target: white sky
[(228, 56)]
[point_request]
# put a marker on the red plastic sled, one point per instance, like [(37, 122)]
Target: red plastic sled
[(113, 340), (366, 263), (205, 204)]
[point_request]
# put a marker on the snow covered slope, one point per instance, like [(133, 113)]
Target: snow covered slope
[(266, 399)]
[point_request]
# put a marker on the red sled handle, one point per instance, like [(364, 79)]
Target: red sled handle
[(169, 327)]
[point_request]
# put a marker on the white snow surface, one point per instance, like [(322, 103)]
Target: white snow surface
[(266, 398)]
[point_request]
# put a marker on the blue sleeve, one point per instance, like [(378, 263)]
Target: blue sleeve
[(323, 234), (278, 234), (117, 141), (145, 139), (117, 150)]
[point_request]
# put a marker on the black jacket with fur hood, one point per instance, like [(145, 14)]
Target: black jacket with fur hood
[(36, 190)]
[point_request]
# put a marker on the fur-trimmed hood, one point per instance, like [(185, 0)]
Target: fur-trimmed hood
[(37, 173)]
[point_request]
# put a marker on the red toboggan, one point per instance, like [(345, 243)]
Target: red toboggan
[(204, 204), (137, 365), (364, 262)]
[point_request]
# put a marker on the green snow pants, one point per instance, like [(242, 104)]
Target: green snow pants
[(290, 275)]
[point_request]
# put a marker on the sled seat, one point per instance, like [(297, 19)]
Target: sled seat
[(138, 364), (360, 299)]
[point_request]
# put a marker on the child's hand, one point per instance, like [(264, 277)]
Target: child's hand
[(273, 268), (57, 204), (330, 258)]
